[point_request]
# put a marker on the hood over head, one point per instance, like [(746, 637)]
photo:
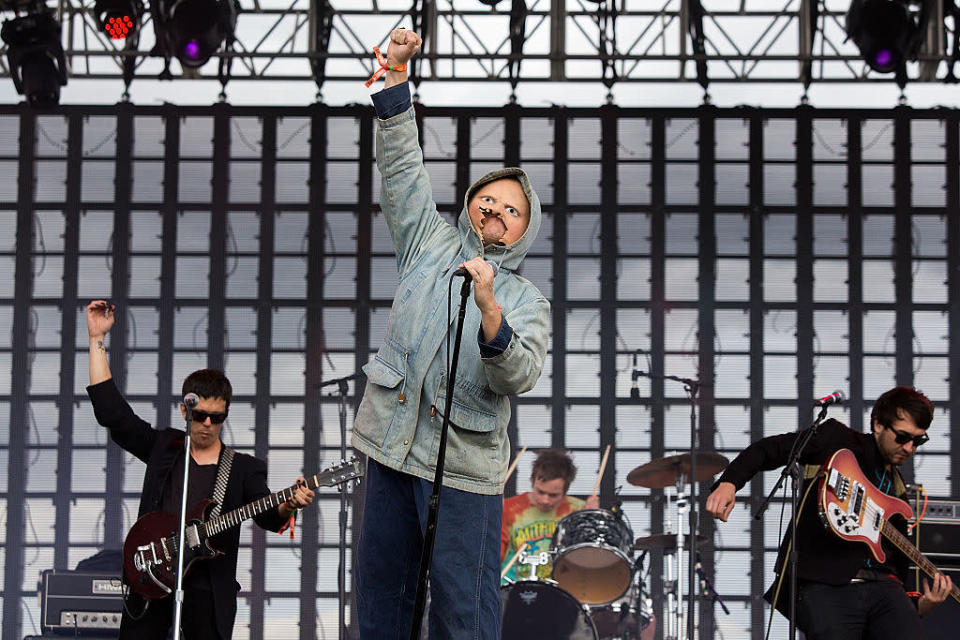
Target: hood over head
[(509, 256)]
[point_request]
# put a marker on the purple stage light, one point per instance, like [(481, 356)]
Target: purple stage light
[(883, 58), (192, 50)]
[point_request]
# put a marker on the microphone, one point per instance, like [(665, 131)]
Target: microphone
[(634, 389), (834, 398), (191, 400), (462, 271)]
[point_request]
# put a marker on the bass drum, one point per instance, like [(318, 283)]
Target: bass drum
[(593, 548), (539, 609)]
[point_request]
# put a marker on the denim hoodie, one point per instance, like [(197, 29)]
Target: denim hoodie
[(395, 422)]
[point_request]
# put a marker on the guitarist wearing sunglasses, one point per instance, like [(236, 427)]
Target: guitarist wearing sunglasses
[(210, 586), (844, 592)]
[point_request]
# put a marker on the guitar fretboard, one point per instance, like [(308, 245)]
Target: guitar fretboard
[(897, 538), (233, 518)]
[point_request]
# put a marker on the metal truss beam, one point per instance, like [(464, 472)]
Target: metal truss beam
[(633, 41)]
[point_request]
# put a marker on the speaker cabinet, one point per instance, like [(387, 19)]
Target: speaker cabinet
[(938, 538)]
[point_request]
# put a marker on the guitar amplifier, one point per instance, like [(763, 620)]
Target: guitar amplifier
[(77, 602), (938, 538)]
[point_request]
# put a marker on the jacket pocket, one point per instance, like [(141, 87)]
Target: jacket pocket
[(469, 418), (382, 374)]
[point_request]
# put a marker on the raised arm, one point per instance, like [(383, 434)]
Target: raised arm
[(99, 322), (406, 195)]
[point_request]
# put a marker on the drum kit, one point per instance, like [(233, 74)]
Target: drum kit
[(598, 590)]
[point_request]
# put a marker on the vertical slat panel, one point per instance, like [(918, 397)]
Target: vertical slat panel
[(20, 382)]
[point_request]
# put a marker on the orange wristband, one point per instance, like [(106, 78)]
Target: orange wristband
[(384, 67)]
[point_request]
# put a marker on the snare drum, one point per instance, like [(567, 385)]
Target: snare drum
[(540, 609), (592, 551)]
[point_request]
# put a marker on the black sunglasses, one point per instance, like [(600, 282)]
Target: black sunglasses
[(903, 438), (215, 418)]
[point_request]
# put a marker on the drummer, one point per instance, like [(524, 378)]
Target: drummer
[(530, 518)]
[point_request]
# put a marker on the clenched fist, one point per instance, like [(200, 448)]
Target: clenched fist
[(403, 45)]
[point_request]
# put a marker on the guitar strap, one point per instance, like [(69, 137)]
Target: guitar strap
[(223, 475)]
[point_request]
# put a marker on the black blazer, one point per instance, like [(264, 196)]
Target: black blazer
[(823, 556), (160, 451)]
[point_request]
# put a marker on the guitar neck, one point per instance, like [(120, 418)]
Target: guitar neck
[(901, 542), (234, 518)]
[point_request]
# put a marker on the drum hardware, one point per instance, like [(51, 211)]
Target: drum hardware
[(533, 560), (660, 474)]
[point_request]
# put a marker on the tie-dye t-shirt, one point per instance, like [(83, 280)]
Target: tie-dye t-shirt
[(523, 523)]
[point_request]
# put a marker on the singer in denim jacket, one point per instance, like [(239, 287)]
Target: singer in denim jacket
[(398, 421)]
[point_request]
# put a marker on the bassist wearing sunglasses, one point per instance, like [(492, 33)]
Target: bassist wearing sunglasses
[(210, 586), (847, 587)]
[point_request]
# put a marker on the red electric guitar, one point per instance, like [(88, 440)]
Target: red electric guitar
[(856, 510), (150, 549)]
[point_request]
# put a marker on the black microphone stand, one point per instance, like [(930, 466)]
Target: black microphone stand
[(342, 544), (692, 387), (706, 587), (430, 535), (181, 542), (793, 469)]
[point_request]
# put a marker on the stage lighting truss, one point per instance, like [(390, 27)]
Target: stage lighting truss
[(758, 41)]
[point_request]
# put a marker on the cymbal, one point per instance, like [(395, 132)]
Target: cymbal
[(664, 472), (666, 542)]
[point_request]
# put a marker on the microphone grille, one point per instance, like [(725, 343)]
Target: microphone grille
[(494, 266), (191, 400)]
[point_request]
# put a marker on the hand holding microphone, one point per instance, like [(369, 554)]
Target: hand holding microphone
[(468, 274), (482, 273)]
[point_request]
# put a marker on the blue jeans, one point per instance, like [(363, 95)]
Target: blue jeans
[(871, 610), (464, 576)]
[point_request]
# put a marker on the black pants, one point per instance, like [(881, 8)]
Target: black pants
[(870, 610), (197, 621)]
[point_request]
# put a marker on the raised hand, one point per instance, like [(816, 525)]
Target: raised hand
[(99, 318), (403, 45)]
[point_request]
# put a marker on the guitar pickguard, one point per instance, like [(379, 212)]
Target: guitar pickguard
[(853, 514)]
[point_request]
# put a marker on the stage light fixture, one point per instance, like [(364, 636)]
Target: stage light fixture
[(118, 18), (886, 32), (35, 57), (193, 30)]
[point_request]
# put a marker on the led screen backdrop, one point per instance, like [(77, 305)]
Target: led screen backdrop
[(778, 255)]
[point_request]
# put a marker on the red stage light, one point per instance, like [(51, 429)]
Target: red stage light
[(117, 27)]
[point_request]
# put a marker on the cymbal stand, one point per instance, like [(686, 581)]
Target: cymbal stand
[(683, 508)]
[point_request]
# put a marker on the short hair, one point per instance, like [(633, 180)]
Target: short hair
[(552, 464), (887, 407), (208, 383)]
